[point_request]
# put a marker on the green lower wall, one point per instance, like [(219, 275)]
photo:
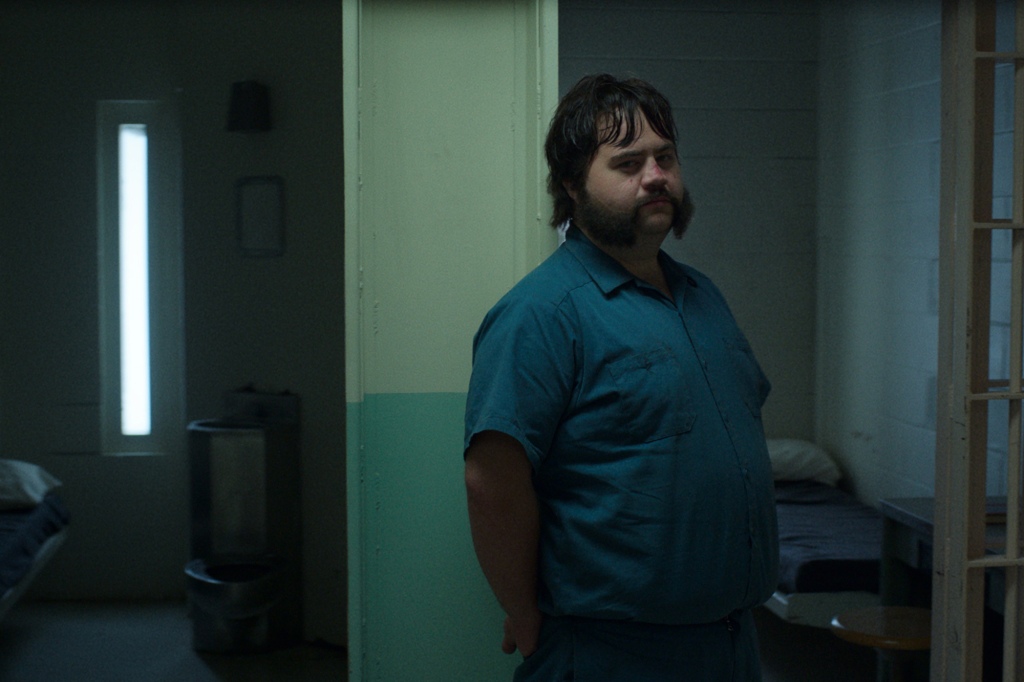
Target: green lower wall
[(423, 610)]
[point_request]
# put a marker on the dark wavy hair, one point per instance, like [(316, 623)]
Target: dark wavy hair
[(592, 114)]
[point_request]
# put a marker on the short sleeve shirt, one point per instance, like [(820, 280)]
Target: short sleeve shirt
[(641, 417)]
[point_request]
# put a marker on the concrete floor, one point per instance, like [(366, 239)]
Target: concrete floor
[(111, 642)]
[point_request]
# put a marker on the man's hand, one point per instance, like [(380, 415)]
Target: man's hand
[(522, 634)]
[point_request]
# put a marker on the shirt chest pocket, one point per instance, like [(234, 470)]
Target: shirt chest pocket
[(648, 396)]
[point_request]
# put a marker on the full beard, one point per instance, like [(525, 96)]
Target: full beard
[(620, 228)]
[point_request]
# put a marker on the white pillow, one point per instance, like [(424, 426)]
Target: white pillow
[(23, 484), (799, 460)]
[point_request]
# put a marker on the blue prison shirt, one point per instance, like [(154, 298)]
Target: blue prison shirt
[(642, 419)]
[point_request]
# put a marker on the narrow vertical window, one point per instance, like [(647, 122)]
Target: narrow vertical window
[(133, 267), (140, 277)]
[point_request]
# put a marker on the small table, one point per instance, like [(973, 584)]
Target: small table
[(906, 562), (907, 547), (901, 635)]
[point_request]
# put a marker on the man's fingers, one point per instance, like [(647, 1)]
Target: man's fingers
[(508, 642)]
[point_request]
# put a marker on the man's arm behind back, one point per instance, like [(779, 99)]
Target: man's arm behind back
[(504, 522)]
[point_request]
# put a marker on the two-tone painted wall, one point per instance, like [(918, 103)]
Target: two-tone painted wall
[(446, 105)]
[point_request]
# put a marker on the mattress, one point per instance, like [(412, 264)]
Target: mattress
[(828, 540), (23, 532)]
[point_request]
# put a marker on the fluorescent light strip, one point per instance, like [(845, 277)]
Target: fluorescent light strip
[(133, 192)]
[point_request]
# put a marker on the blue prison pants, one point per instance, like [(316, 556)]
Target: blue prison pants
[(588, 650)]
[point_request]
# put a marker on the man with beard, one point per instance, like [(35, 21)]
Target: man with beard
[(619, 487)]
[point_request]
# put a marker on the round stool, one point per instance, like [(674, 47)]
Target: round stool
[(894, 631)]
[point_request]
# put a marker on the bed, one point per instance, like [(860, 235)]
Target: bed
[(33, 525), (830, 543)]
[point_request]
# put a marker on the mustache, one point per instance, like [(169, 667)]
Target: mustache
[(683, 204), (684, 209), (660, 196)]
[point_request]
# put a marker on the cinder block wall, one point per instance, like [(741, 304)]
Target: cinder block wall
[(742, 78), (878, 202)]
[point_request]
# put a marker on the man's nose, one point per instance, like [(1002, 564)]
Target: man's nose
[(654, 175)]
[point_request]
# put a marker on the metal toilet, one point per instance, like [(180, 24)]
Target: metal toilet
[(243, 578)]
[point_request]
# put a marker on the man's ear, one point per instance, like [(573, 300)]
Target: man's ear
[(570, 190)]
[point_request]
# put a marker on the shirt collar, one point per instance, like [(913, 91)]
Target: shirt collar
[(608, 273)]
